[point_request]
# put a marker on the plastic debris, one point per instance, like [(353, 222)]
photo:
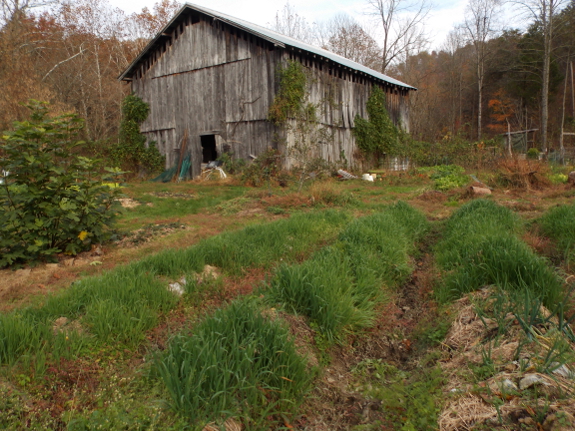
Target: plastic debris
[(346, 175)]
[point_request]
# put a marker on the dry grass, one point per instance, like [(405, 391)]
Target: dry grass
[(521, 174)]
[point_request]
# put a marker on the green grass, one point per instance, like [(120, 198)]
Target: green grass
[(236, 363), (121, 305), (559, 225), (480, 247), (340, 286), (188, 200), (257, 245)]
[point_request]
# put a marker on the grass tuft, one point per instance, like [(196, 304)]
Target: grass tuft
[(340, 286), (481, 247), (236, 363)]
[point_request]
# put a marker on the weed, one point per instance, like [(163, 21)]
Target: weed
[(411, 401)]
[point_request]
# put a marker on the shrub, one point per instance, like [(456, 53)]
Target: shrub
[(264, 169), (51, 199), (533, 154)]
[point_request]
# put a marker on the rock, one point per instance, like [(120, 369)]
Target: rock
[(531, 380), (571, 178), (98, 251), (478, 191), (561, 370), (68, 262), (52, 265), (59, 324), (176, 288), (367, 177), (510, 367), (508, 385), (208, 272)]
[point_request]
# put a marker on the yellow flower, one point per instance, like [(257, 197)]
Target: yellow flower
[(82, 235)]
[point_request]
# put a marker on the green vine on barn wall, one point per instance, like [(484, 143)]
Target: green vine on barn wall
[(292, 112), (377, 136), (289, 101), (131, 151)]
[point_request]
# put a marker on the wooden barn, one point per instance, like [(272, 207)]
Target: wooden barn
[(212, 78)]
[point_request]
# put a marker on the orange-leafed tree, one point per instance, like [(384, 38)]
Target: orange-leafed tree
[(501, 112)]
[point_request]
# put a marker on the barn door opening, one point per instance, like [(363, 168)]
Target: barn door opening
[(209, 151)]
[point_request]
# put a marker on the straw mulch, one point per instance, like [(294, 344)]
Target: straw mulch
[(499, 402)]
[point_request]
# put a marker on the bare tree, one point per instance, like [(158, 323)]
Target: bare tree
[(402, 26), (480, 26), (290, 23), (344, 36), (454, 79), (12, 9), (545, 14)]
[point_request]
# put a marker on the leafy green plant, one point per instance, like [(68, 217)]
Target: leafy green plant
[(51, 199), (533, 153), (131, 151), (446, 177), (236, 363), (264, 169)]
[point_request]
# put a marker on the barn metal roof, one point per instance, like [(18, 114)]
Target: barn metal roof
[(277, 39)]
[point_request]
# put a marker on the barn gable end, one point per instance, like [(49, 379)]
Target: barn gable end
[(212, 78)]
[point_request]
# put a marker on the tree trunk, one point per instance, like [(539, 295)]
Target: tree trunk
[(547, 19)]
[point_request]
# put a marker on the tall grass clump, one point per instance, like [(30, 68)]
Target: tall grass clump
[(236, 363), (481, 247), (258, 245), (340, 286), (559, 224)]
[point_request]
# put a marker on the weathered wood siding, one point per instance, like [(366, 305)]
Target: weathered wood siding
[(340, 95), (209, 81), (209, 78)]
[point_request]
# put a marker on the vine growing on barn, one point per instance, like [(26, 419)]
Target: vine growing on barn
[(377, 136), (131, 151), (292, 111)]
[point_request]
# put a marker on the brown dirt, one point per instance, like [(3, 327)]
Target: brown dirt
[(20, 287)]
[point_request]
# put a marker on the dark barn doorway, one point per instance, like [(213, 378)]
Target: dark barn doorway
[(209, 152)]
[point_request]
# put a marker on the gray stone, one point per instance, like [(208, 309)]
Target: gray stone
[(531, 380)]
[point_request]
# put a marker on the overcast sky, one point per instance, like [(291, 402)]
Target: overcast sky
[(445, 13)]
